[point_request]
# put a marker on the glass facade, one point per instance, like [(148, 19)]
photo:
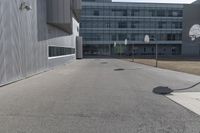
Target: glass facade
[(106, 23)]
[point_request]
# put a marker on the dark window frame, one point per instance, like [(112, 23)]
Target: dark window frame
[(55, 51)]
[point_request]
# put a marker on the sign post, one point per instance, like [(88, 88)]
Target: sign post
[(147, 40), (126, 43), (133, 53), (115, 44)]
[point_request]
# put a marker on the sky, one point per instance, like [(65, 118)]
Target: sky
[(157, 1)]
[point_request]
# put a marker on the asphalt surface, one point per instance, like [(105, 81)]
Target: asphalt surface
[(97, 96)]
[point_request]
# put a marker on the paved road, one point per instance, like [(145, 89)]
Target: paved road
[(89, 96)]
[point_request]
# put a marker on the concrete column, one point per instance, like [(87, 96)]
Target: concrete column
[(79, 47)]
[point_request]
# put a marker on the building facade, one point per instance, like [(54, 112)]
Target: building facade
[(191, 29), (104, 23), (36, 35), (196, 2)]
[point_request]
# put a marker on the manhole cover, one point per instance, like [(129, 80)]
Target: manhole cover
[(162, 90)]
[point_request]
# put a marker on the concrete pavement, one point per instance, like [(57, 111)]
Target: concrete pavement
[(97, 96)]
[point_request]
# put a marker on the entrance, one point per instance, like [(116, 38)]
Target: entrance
[(96, 50)]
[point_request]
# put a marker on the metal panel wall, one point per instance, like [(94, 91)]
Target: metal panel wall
[(77, 8), (24, 37), (59, 14), (2, 59)]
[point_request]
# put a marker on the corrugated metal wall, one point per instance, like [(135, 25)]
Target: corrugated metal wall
[(24, 37), (2, 60)]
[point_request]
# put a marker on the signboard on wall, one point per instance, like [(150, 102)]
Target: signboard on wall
[(194, 32)]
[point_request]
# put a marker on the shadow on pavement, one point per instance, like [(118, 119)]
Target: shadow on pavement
[(104, 62), (123, 69), (188, 87), (119, 69), (161, 90)]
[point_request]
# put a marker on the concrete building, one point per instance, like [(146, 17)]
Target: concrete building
[(196, 2), (37, 35), (104, 22)]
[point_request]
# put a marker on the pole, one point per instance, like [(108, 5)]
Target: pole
[(120, 51), (133, 53), (156, 54), (109, 49)]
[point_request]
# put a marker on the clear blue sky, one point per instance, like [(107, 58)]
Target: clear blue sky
[(157, 1)]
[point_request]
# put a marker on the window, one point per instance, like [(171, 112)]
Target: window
[(145, 49), (152, 49), (107, 24), (122, 36), (161, 13), (96, 13), (119, 12), (135, 24), (152, 12), (92, 37), (133, 36), (162, 25), (175, 13), (135, 12), (60, 51), (89, 0), (177, 25), (171, 37), (122, 24), (114, 37), (163, 37), (174, 51)]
